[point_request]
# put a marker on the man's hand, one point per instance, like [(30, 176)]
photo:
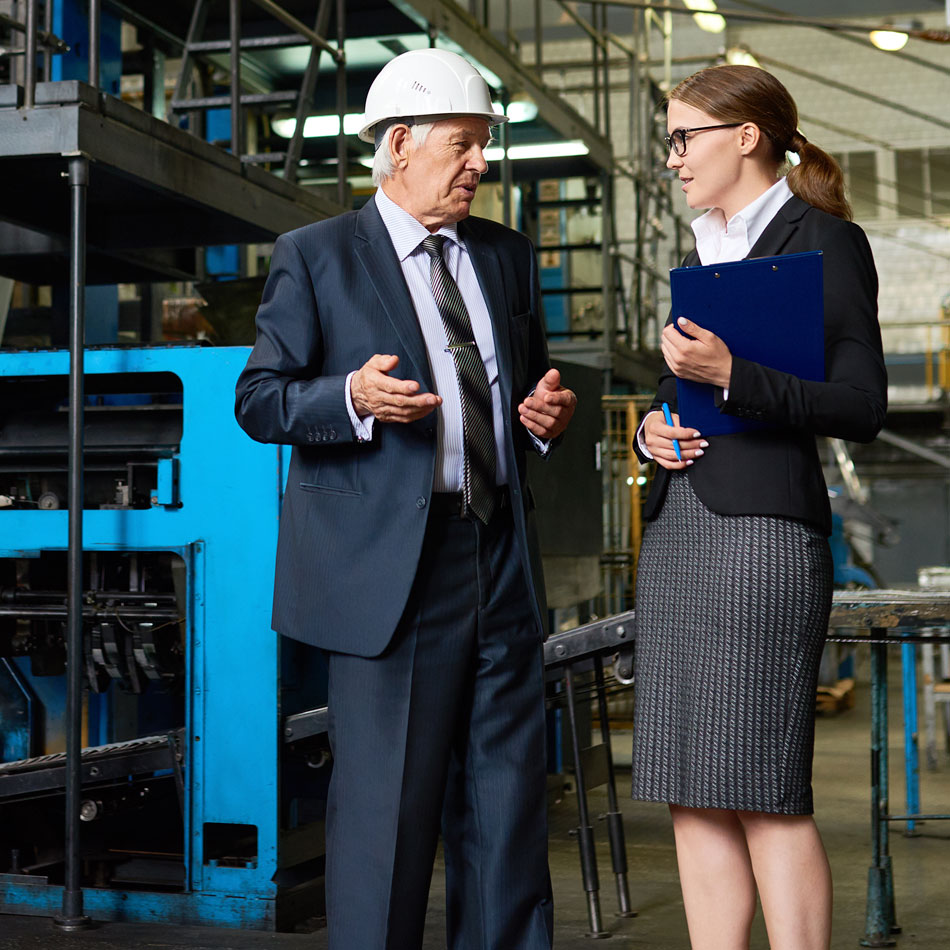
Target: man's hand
[(704, 359), (548, 410), (375, 392)]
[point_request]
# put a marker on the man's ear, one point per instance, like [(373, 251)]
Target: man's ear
[(400, 147)]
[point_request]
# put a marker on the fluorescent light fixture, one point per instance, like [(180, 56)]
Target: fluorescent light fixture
[(522, 108), (568, 149), (495, 153), (319, 126), (888, 40), (707, 19), (737, 56)]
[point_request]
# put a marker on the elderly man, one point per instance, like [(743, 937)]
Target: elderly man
[(400, 351)]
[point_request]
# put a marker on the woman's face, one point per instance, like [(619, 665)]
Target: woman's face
[(711, 167)]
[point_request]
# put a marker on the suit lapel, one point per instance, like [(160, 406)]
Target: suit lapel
[(374, 249), (491, 281)]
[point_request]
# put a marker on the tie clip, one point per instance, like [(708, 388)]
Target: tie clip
[(458, 346)]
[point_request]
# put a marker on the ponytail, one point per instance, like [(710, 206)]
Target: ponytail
[(817, 178)]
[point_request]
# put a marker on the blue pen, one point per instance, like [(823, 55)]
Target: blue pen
[(669, 421)]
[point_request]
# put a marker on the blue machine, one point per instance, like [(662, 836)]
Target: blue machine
[(180, 530)]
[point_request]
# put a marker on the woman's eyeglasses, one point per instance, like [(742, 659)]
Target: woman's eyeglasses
[(676, 140)]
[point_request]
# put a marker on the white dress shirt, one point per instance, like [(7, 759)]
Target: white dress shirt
[(719, 241), (407, 235)]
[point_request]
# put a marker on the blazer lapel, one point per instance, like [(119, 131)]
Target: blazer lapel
[(490, 280), (374, 249), (779, 231)]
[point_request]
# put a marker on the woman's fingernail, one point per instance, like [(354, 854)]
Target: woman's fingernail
[(695, 435), (699, 452), (704, 444), (689, 461)]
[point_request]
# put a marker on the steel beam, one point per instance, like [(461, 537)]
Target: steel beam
[(449, 19)]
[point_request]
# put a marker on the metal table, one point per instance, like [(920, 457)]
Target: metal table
[(883, 618)]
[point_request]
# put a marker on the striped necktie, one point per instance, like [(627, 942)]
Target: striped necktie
[(478, 479)]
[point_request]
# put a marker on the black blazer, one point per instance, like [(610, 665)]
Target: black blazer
[(777, 471), (354, 513)]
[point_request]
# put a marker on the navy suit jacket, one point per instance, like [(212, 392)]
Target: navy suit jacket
[(778, 471), (354, 513)]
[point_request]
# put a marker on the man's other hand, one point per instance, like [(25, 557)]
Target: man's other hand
[(375, 392), (548, 410)]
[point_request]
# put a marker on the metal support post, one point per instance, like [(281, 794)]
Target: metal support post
[(539, 36), (911, 749), (880, 925), (342, 157), (504, 134), (618, 847), (585, 833), (237, 129), (95, 18), (305, 99), (29, 57), (72, 916)]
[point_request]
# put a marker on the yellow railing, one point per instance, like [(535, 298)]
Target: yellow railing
[(936, 352), (625, 483)]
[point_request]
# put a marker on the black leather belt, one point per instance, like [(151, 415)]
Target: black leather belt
[(444, 504)]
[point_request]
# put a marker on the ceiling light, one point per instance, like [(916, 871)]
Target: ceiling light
[(495, 153), (568, 149), (319, 126), (708, 19), (737, 56), (522, 108), (889, 40)]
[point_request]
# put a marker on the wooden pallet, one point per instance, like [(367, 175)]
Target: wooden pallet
[(835, 699)]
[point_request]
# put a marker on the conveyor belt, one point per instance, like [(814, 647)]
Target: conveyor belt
[(47, 773)]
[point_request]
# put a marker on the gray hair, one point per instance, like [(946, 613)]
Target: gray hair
[(383, 165)]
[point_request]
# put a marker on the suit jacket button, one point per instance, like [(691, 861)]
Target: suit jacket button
[(420, 502), (332, 434)]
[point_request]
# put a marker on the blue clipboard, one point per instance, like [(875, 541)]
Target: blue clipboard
[(769, 310)]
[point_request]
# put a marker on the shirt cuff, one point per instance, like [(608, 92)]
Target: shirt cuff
[(642, 445), (542, 446), (362, 428)]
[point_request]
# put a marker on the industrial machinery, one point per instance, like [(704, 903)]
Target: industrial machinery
[(181, 669)]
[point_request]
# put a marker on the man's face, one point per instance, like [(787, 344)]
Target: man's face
[(441, 175)]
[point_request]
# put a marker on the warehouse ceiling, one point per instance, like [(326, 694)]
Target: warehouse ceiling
[(378, 29)]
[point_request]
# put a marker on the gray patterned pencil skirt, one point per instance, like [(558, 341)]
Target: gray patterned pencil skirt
[(731, 617)]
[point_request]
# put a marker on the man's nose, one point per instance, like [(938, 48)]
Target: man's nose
[(478, 162)]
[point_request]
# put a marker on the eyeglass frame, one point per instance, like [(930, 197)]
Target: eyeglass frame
[(670, 141)]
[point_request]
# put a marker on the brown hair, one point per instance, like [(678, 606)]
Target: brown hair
[(750, 94)]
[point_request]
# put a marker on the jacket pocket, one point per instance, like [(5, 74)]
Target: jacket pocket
[(329, 490)]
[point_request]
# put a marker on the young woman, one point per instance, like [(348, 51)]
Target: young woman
[(735, 575)]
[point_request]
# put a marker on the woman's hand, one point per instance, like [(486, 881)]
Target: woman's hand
[(704, 359), (658, 438)]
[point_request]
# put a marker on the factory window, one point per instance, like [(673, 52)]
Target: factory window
[(911, 188), (862, 184), (860, 178), (940, 180)]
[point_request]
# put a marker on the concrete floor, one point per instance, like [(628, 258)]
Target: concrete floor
[(921, 866)]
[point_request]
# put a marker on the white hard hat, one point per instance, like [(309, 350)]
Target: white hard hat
[(427, 83)]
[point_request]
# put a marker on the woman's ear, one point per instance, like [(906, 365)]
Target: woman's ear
[(750, 135)]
